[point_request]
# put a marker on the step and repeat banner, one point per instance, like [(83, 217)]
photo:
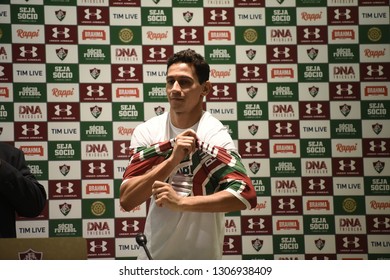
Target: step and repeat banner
[(303, 87)]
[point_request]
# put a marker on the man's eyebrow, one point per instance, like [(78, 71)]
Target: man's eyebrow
[(178, 77)]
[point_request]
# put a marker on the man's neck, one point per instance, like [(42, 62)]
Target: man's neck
[(185, 120)]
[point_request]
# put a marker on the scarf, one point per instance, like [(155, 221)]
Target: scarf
[(214, 169)]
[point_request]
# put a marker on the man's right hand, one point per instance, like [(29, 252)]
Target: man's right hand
[(185, 145)]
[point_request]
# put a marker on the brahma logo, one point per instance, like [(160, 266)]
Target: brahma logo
[(343, 34), (285, 148), (98, 34), (287, 224), (317, 205), (4, 92), (376, 91), (220, 35), (97, 188), (32, 150)]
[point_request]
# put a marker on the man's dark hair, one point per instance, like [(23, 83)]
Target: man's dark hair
[(202, 68)]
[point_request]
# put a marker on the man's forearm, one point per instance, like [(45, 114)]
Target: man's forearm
[(136, 190)]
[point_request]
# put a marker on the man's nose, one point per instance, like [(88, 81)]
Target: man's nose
[(176, 86)]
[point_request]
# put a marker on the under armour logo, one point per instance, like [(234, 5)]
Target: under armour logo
[(254, 71), (310, 108), (351, 242), (287, 128), (96, 14), (191, 34), (259, 223), (61, 109), (345, 165), (378, 222), (371, 71), (229, 243), (249, 146), (67, 187), (311, 33), (58, 31), (316, 184), (102, 246), (161, 52), (346, 14), (290, 203), (221, 15), (377, 146), (134, 225), (344, 90), (123, 72), (32, 51), (124, 148), (100, 168), (91, 90), (30, 129), (284, 53), (217, 90)]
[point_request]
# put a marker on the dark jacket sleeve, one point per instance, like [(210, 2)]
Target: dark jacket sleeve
[(18, 186)]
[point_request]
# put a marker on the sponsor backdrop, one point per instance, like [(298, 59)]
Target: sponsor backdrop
[(303, 87)]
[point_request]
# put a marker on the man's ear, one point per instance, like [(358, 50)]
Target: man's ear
[(206, 88)]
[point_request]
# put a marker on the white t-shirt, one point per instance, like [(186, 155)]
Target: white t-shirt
[(182, 235)]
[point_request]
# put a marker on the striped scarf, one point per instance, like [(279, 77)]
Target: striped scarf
[(214, 168)]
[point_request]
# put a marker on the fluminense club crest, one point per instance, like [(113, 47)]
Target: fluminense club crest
[(312, 53), (95, 73), (188, 16), (96, 111), (378, 166), (159, 110), (320, 243), (345, 109), (250, 53), (251, 91), (62, 53), (65, 208), (30, 254), (254, 167), (257, 244), (377, 128), (313, 91), (60, 14), (253, 129), (64, 169)]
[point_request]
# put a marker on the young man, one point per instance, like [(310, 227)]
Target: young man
[(20, 192), (186, 161)]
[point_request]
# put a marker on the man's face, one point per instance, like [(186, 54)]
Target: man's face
[(183, 89)]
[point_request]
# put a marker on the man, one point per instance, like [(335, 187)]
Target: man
[(20, 192), (186, 162)]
